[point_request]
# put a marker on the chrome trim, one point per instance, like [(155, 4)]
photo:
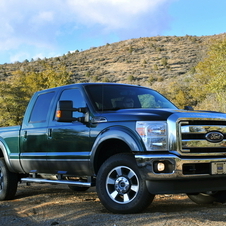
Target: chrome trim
[(145, 163), (67, 182), (201, 144), (187, 133), (202, 129), (67, 160)]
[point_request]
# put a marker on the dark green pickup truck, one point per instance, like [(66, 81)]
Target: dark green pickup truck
[(128, 141)]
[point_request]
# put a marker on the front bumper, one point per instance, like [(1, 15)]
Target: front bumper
[(185, 175), (179, 168)]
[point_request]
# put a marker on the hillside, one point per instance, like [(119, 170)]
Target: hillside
[(139, 61)]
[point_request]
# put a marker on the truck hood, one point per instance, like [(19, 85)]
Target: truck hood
[(158, 114)]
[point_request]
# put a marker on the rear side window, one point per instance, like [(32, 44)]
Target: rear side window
[(41, 108)]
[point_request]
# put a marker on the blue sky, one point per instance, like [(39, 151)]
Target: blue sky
[(40, 28)]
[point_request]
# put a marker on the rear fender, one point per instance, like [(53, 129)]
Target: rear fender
[(4, 150)]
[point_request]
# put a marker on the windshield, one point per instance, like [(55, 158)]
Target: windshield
[(113, 97)]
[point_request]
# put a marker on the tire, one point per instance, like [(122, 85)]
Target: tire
[(8, 182), (120, 187), (77, 188), (208, 197)]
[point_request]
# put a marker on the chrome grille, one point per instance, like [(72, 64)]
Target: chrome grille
[(193, 137)]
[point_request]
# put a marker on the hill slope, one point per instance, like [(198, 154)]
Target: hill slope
[(135, 60)]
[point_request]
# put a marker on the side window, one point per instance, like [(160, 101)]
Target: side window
[(147, 101), (77, 98), (150, 101), (41, 108)]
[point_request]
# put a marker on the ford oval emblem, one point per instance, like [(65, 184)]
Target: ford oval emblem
[(214, 137)]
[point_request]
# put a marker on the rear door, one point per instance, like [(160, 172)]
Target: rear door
[(34, 135)]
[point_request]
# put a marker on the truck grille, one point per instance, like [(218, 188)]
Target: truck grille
[(199, 137)]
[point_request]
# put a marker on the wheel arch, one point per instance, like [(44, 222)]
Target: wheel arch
[(113, 141), (4, 154)]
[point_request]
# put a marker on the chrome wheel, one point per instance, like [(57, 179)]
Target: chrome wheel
[(120, 187), (122, 184)]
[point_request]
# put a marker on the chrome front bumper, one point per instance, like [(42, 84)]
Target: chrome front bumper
[(180, 168)]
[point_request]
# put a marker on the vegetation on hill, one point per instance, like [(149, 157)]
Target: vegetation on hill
[(16, 90), (205, 88), (188, 70)]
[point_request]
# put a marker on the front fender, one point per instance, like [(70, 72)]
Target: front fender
[(124, 134)]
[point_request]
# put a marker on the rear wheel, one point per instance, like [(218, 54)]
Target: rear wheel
[(208, 197), (8, 182), (120, 187)]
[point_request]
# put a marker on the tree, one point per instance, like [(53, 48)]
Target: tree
[(178, 93), (12, 104), (130, 78), (210, 78), (16, 91)]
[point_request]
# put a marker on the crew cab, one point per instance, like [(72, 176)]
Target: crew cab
[(129, 141)]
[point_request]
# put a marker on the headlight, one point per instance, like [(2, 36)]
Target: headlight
[(154, 135)]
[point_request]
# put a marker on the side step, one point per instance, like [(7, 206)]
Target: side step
[(67, 182)]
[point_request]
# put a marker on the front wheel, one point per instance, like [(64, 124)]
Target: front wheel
[(120, 187), (8, 182), (208, 197)]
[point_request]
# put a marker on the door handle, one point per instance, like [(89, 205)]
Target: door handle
[(49, 134), (25, 135)]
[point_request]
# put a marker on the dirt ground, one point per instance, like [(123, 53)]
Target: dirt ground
[(46, 204)]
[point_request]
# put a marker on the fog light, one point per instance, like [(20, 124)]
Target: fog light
[(163, 166), (160, 166)]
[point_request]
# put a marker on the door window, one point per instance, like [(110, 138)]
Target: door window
[(77, 98), (41, 108)]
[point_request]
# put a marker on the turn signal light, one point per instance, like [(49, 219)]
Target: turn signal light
[(58, 114)]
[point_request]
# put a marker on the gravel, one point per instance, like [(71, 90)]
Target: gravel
[(46, 204)]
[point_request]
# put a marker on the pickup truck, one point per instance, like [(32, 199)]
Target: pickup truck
[(129, 141)]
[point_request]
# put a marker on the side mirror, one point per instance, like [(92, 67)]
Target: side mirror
[(188, 108), (65, 111)]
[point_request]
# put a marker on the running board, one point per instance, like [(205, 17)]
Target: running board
[(67, 182)]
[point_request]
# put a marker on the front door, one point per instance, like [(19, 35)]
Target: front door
[(69, 149)]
